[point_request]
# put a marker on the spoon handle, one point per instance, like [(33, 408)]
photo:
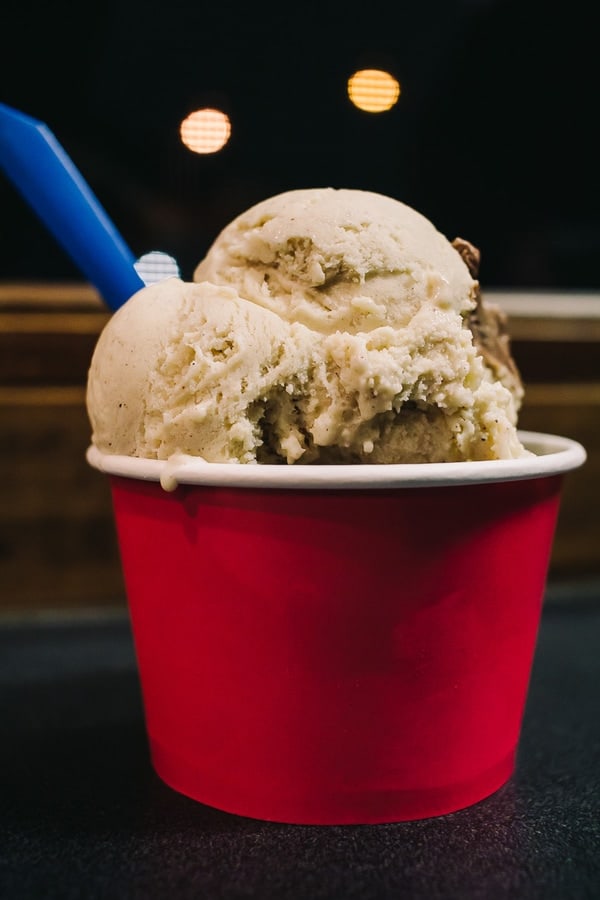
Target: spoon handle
[(44, 174)]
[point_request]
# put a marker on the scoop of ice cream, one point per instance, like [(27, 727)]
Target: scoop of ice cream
[(324, 327), (191, 368), (421, 393), (354, 261), (343, 259)]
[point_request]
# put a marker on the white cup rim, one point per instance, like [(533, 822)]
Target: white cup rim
[(550, 455)]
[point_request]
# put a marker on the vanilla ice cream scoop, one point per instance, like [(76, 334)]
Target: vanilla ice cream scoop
[(346, 260), (324, 326), (192, 369)]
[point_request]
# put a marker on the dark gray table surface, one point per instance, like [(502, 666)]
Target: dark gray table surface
[(82, 815)]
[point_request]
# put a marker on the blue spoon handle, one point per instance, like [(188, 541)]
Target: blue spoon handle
[(49, 181)]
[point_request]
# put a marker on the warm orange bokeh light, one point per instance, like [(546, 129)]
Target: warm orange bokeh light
[(205, 131), (373, 90)]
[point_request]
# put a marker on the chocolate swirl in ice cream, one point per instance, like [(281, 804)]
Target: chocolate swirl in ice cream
[(489, 326)]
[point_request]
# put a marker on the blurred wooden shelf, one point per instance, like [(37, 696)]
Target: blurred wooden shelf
[(58, 547), (550, 315)]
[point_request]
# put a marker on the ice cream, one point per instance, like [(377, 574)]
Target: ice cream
[(194, 369), (322, 326)]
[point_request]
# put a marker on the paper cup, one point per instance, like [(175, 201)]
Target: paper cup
[(336, 644)]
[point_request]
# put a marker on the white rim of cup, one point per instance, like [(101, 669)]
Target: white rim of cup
[(550, 455)]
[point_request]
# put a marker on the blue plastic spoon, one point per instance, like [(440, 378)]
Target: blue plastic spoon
[(45, 175)]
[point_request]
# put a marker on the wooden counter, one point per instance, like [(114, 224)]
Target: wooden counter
[(556, 344)]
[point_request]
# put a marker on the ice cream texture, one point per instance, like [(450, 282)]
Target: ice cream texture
[(322, 326)]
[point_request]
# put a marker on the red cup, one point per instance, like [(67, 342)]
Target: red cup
[(337, 645)]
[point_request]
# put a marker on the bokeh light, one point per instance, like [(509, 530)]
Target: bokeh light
[(373, 90), (205, 130), (156, 266)]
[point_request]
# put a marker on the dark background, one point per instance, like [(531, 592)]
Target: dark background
[(494, 136)]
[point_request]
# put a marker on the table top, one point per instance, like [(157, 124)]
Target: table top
[(84, 815)]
